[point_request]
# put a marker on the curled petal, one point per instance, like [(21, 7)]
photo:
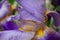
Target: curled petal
[(55, 16)]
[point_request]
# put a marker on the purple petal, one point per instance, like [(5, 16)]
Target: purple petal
[(1, 2), (53, 36), (9, 25), (16, 35), (55, 16), (27, 16), (34, 7), (4, 9)]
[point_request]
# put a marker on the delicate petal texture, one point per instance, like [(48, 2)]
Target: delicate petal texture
[(16, 35), (56, 18), (4, 9), (25, 15), (34, 7)]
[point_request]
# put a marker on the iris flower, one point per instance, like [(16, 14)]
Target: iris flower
[(29, 23), (38, 9)]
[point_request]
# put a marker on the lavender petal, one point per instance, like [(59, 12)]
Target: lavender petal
[(34, 7), (4, 9), (16, 35)]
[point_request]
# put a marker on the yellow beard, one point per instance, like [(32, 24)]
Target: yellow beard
[(40, 32)]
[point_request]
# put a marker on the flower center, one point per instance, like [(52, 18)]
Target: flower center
[(40, 32)]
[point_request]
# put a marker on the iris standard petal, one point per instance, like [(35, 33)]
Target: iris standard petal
[(28, 20), (34, 7), (25, 15), (56, 18), (16, 35)]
